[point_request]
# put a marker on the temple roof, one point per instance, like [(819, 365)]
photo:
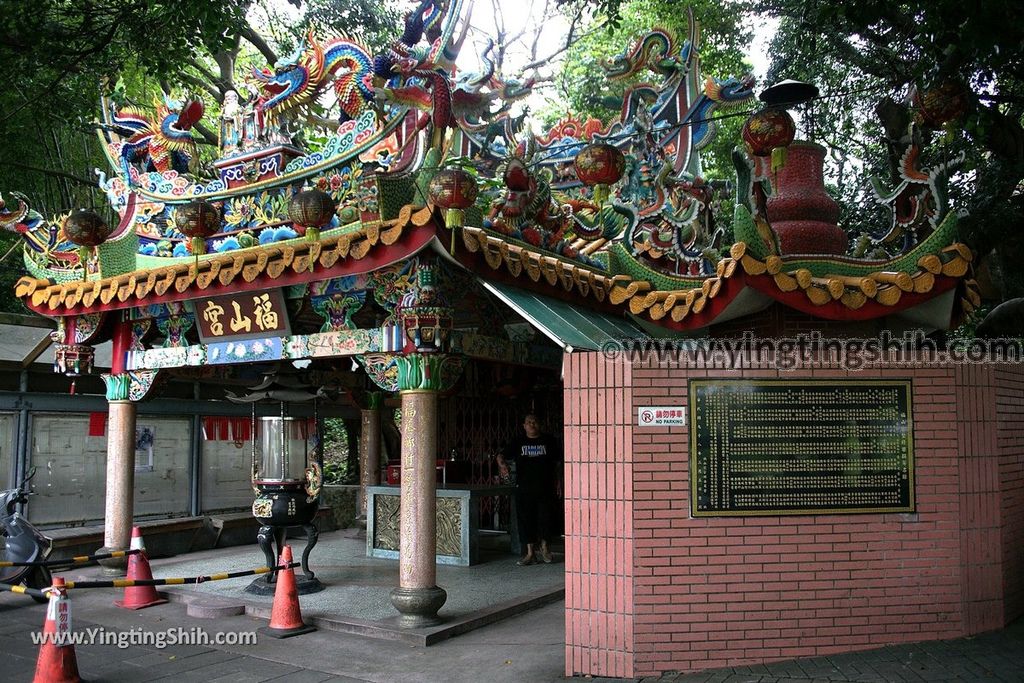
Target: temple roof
[(550, 215)]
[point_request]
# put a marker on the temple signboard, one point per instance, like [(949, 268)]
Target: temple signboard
[(243, 315), (801, 447)]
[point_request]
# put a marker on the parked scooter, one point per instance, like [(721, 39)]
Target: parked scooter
[(22, 541)]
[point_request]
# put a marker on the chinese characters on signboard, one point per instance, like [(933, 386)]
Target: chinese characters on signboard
[(661, 416), (801, 447), (247, 315)]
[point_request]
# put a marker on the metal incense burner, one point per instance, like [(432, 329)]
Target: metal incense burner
[(287, 477)]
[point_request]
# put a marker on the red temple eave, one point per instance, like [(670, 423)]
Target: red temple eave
[(838, 309), (741, 286), (255, 269)]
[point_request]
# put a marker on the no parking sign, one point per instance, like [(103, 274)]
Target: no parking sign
[(661, 416)]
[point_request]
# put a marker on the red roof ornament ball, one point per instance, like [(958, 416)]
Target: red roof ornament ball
[(312, 209), (600, 165), (768, 133), (86, 228)]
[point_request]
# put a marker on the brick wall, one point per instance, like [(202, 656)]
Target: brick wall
[(1009, 403), (599, 518), (723, 591)]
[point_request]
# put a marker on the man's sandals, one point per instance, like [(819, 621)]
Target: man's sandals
[(530, 559)]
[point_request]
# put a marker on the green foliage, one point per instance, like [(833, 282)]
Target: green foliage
[(340, 465), (860, 54)]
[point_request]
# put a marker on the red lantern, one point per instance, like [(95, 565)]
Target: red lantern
[(768, 133), (198, 219), (88, 230), (600, 165), (943, 103), (312, 209), (454, 190)]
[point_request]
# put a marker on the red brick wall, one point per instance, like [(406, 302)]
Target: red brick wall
[(710, 592), (599, 524), (1009, 390)]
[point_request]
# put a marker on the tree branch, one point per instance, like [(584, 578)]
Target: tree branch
[(53, 173), (195, 82), (257, 41), (209, 138)]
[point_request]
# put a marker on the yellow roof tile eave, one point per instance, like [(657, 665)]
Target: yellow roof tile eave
[(132, 287)]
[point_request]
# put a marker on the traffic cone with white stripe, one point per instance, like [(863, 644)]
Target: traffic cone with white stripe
[(57, 662), (286, 615), (137, 597)]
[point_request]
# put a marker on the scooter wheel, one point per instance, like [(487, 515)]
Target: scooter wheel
[(40, 579)]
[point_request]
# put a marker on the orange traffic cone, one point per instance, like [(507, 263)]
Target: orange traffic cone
[(57, 662), (137, 597), (286, 617)]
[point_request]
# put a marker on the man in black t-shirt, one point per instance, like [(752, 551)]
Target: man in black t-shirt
[(536, 457)]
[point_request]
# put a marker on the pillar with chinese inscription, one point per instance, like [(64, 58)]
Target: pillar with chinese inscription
[(419, 372), (124, 390), (369, 446)]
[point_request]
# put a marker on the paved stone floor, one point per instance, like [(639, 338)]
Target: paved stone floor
[(527, 648)]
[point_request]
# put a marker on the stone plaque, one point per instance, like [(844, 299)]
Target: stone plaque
[(804, 447)]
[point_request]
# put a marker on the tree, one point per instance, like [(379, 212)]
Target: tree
[(59, 55), (870, 57)]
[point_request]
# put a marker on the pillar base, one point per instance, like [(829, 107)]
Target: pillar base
[(113, 566), (418, 606)]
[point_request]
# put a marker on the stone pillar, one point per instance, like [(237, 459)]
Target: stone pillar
[(120, 494), (119, 507), (369, 447), (417, 597)]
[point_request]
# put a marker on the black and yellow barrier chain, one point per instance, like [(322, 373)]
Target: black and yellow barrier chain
[(78, 559), (126, 583), (34, 592)]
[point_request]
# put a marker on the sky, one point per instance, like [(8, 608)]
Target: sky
[(520, 14)]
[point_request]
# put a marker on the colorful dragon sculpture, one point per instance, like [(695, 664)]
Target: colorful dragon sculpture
[(918, 202), (45, 242), (670, 225), (162, 142), (299, 79)]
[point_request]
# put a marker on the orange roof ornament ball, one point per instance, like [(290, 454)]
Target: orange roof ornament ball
[(942, 103)]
